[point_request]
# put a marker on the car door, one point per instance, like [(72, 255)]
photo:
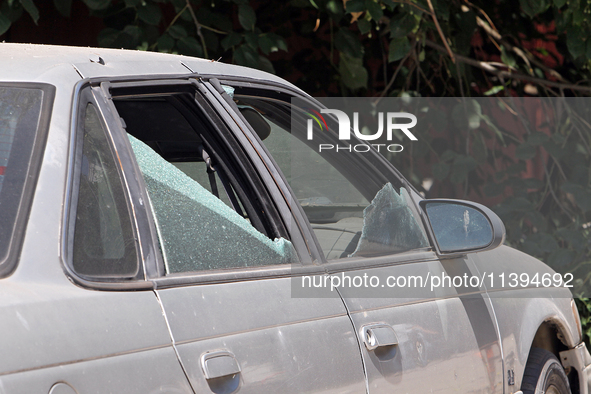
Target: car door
[(365, 222), (226, 254)]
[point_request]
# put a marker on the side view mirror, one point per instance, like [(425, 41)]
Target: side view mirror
[(459, 226)]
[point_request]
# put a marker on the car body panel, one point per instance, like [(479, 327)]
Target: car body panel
[(521, 311), (443, 334), (282, 344), (154, 371)]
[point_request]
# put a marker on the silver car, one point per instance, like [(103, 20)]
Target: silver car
[(167, 226)]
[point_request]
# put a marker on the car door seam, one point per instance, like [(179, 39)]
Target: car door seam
[(172, 341), (356, 340)]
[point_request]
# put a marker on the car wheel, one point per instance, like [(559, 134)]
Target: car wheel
[(544, 374)]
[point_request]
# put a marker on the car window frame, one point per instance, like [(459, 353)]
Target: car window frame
[(85, 93), (155, 274), (33, 168), (349, 263)]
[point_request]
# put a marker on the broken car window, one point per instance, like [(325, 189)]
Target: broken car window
[(197, 230), (335, 189)]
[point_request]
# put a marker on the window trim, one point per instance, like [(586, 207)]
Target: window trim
[(82, 97), (9, 264)]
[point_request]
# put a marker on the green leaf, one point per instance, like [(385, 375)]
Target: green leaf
[(231, 40), (97, 4), (266, 65), (355, 6), (573, 237), (335, 7), (554, 149), (279, 41), (399, 48), (507, 58), (402, 24), (494, 90), (582, 195), (245, 55), (177, 31), (531, 248), (252, 39), (390, 4), (546, 242), (493, 189), (353, 74), (133, 3), (364, 26), (560, 258), (559, 3), (534, 7), (440, 170), (266, 44), (107, 37), (374, 10), (525, 151), (479, 148), (63, 6), (537, 138), (448, 155), (165, 43), (467, 115), (150, 13), (211, 40), (190, 46), (461, 167), (246, 16), (533, 183), (30, 7), (13, 13), (347, 42), (588, 49), (537, 220), (574, 42), (4, 24), (135, 34)]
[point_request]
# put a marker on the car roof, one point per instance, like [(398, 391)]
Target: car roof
[(52, 64)]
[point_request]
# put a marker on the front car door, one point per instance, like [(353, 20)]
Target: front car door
[(366, 224), (226, 251)]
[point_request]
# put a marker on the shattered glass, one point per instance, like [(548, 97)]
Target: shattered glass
[(389, 225), (197, 230)]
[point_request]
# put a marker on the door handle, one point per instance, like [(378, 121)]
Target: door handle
[(219, 363), (378, 335)]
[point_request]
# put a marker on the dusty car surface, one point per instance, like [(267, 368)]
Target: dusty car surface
[(154, 227)]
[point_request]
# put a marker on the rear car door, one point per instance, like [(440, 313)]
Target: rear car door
[(81, 317), (226, 252), (366, 224)]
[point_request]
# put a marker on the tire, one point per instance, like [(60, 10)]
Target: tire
[(544, 374)]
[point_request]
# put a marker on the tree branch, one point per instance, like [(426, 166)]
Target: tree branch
[(526, 56), (198, 26), (393, 78), (504, 74), (449, 52)]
